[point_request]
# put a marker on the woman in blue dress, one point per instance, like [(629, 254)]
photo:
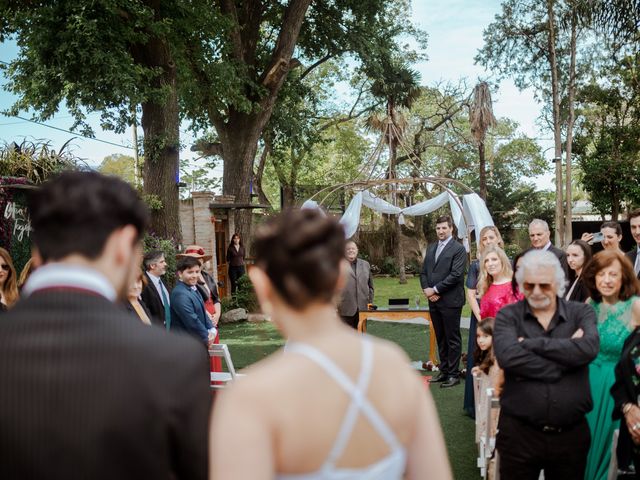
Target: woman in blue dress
[(614, 287)]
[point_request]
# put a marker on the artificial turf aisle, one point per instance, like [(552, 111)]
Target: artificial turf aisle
[(250, 342)]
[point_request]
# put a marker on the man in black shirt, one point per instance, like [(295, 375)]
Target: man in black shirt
[(544, 344)]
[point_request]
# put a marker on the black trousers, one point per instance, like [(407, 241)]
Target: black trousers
[(627, 452), (469, 395), (234, 274), (526, 450), (446, 325), (351, 320)]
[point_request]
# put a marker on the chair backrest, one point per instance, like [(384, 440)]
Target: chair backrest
[(476, 394), (221, 350), (493, 403)]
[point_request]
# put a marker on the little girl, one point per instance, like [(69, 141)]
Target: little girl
[(487, 370), (490, 375)]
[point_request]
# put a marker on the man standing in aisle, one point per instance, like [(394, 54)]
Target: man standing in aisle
[(155, 294), (442, 281), (544, 345), (358, 291), (634, 223)]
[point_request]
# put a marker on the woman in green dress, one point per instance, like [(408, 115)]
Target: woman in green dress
[(613, 287)]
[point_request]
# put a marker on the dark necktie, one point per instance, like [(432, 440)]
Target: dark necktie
[(165, 304)]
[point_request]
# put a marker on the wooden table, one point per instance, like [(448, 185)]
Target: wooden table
[(410, 315)]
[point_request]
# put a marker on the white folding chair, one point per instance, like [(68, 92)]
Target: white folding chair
[(487, 442), (476, 393), (220, 379), (613, 464)]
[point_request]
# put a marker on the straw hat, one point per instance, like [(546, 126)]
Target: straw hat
[(195, 251)]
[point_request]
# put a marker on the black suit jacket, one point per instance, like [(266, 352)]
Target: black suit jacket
[(446, 274), (631, 255), (152, 300), (86, 392)]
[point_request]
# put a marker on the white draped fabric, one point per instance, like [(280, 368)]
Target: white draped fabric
[(475, 211)]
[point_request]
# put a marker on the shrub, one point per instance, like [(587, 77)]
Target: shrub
[(389, 266), (245, 297), (512, 249), (413, 266)]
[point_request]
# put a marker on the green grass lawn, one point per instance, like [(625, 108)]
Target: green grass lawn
[(389, 287), (250, 342)]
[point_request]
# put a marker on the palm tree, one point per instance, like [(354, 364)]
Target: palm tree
[(398, 87), (481, 119)]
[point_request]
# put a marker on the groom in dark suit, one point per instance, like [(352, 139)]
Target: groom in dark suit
[(442, 281), (86, 390)]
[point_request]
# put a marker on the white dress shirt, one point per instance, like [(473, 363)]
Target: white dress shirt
[(157, 282)]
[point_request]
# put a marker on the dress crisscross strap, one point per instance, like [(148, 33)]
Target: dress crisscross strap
[(391, 466)]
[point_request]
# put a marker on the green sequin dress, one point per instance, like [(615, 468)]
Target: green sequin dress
[(614, 326)]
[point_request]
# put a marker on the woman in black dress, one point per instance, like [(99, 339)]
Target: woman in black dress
[(235, 259)]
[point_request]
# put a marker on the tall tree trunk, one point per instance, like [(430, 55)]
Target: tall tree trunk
[(570, 122), (288, 196), (239, 132), (557, 132), (239, 145), (483, 171), (393, 157), (257, 177), (160, 124)]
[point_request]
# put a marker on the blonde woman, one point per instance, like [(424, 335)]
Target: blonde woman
[(489, 235), (8, 281), (494, 284)]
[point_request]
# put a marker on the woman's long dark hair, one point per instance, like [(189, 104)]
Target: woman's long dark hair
[(234, 236), (514, 283), (586, 251), (484, 358)]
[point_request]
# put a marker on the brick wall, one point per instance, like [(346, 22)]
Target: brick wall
[(195, 220)]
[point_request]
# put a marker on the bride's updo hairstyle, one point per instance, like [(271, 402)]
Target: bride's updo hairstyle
[(300, 251)]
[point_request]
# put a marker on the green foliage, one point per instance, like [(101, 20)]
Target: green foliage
[(389, 266), (153, 202), (413, 265), (608, 137), (152, 242), (245, 297), (198, 176), (122, 166), (15, 229), (36, 161)]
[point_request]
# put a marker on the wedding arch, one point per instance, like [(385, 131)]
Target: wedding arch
[(468, 211)]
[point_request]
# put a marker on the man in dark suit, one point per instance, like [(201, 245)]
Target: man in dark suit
[(155, 294), (87, 391), (442, 281), (540, 237), (358, 291), (634, 223)]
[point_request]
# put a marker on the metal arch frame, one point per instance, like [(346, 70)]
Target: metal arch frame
[(365, 184)]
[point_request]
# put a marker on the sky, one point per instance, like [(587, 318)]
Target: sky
[(455, 34)]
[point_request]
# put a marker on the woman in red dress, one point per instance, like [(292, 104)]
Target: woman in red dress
[(494, 284)]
